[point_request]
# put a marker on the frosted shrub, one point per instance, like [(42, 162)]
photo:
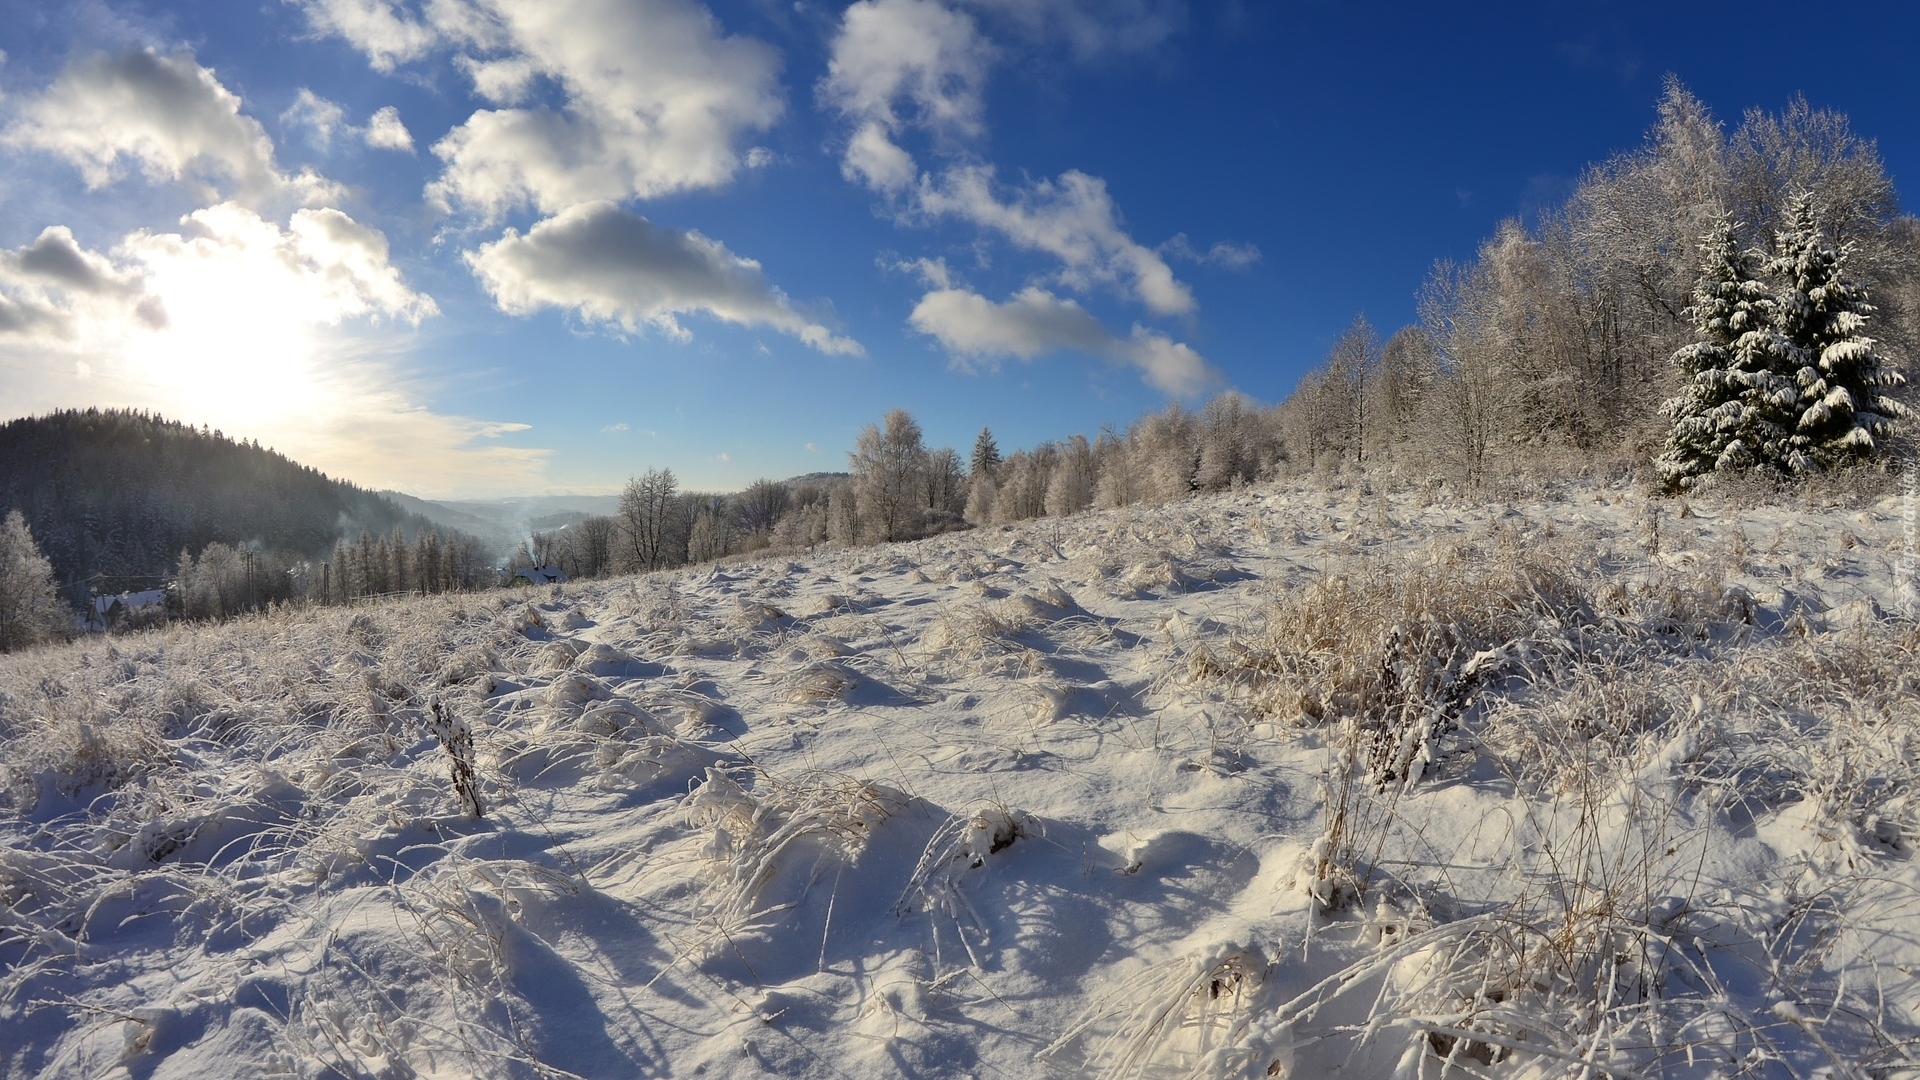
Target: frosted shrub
[(456, 738), (1403, 651), (762, 846)]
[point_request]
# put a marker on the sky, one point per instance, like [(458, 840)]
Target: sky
[(470, 248)]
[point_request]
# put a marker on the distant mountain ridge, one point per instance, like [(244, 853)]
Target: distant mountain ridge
[(113, 496), (504, 523)]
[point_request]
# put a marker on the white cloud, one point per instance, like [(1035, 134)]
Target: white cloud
[(166, 114), (49, 286), (656, 97), (616, 267), (1035, 322), (252, 326), (1073, 219), (321, 118), (384, 31), (934, 273), (901, 65), (1225, 254), (656, 94), (386, 132), (919, 50), (874, 159), (1092, 28), (229, 278), (502, 81)]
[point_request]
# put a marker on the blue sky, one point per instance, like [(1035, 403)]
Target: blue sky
[(473, 247)]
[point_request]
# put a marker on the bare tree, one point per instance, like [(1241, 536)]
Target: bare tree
[(1113, 484), (888, 463), (982, 493), (946, 482), (593, 548), (762, 504), (1470, 398), (712, 529), (1070, 489), (1351, 366), (1165, 448), (646, 518)]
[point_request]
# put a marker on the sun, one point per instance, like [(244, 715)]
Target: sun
[(239, 323)]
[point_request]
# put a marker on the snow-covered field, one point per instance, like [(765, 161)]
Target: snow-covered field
[(1288, 782)]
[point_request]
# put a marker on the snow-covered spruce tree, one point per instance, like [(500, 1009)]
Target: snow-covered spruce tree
[(1735, 410), (30, 608), (1822, 318)]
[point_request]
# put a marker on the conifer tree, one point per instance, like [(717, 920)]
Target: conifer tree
[(1840, 410), (1735, 410), (986, 456)]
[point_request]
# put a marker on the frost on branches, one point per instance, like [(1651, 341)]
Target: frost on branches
[(1735, 410), (30, 608), (1825, 351), (1781, 379)]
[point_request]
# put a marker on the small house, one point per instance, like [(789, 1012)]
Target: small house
[(538, 575)]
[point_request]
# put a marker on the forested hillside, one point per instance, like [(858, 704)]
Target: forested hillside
[(113, 497)]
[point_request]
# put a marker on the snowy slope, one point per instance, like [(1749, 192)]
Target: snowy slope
[(1116, 795)]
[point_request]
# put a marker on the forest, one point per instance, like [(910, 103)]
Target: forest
[(115, 497), (1579, 343)]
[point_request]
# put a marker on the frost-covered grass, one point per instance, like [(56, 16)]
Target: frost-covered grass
[(1290, 782)]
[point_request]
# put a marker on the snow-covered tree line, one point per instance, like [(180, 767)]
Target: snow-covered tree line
[(1589, 334), (658, 526), (226, 580), (429, 561), (898, 488), (1568, 338)]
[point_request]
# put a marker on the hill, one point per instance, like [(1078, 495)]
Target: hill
[(483, 525), (504, 523), (1282, 782), (114, 496)]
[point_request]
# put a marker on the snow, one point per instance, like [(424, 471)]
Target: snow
[(101, 611), (1012, 802), (540, 575)]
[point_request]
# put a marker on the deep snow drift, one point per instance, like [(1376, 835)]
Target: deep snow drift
[(1287, 782)]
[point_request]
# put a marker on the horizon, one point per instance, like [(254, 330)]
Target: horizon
[(504, 259)]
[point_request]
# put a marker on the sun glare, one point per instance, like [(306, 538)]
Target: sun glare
[(236, 345)]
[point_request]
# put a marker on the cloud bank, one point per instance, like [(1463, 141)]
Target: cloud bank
[(165, 115), (614, 266), (253, 326), (1035, 322), (655, 95), (903, 68), (654, 98), (289, 326)]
